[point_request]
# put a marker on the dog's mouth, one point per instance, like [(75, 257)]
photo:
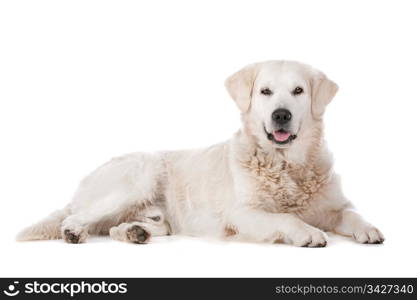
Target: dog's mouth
[(280, 136)]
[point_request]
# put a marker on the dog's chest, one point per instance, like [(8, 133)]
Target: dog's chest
[(282, 186)]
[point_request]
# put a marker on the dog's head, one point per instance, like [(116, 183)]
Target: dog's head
[(280, 99)]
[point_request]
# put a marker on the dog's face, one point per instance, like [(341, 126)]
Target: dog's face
[(280, 98)]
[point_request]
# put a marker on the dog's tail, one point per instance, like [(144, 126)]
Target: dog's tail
[(46, 229)]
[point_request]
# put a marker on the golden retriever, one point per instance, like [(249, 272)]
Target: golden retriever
[(273, 181)]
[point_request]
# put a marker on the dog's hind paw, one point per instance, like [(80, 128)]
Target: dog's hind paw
[(74, 236), (138, 235)]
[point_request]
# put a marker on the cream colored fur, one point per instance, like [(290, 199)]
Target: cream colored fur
[(248, 188)]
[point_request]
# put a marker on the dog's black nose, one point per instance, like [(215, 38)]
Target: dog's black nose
[(282, 116)]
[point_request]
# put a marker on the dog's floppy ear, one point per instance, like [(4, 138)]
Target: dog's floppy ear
[(322, 92), (240, 85)]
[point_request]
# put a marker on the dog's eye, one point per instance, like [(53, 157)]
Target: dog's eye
[(297, 91), (266, 92)]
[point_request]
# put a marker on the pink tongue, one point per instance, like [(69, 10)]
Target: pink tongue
[(281, 136)]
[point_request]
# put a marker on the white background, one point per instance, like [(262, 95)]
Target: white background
[(82, 81)]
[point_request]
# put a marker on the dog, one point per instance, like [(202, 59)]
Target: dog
[(272, 182)]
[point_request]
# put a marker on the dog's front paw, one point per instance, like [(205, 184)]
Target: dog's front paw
[(368, 235), (308, 236)]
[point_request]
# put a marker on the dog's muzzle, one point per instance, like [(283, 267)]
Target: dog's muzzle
[(280, 136)]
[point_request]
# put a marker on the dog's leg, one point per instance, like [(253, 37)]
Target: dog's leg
[(106, 197), (262, 226), (74, 229), (352, 224), (151, 221), (138, 232), (140, 227)]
